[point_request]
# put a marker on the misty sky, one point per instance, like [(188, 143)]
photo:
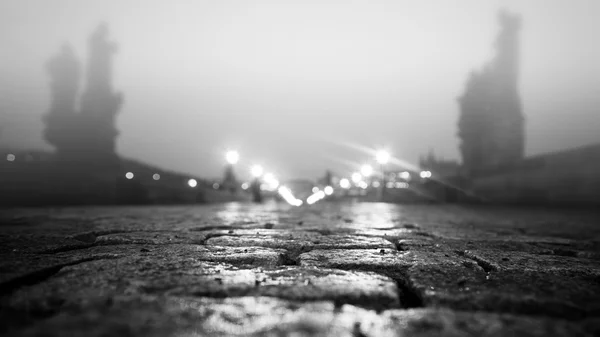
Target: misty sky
[(288, 83)]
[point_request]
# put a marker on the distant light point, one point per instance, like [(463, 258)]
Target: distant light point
[(345, 183), (156, 176), (366, 170), (232, 157), (382, 157), (192, 183), (129, 175), (256, 171), (11, 157)]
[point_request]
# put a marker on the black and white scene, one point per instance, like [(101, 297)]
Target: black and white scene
[(357, 168)]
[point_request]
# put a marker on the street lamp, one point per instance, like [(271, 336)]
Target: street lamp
[(382, 157), (229, 181), (257, 172), (366, 170), (232, 157), (271, 181), (356, 177)]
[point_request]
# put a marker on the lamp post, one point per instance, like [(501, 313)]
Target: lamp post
[(257, 172), (382, 157), (366, 171), (229, 181)]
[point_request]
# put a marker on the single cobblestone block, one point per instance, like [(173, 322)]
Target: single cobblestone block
[(520, 261), (302, 242), (312, 284), (517, 292), (388, 260), (151, 238)]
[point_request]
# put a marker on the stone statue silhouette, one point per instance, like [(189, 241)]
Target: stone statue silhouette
[(86, 137), (64, 70), (491, 122), (99, 102)]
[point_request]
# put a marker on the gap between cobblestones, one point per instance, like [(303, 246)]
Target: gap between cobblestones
[(40, 275)]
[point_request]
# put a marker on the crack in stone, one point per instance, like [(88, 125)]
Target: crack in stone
[(486, 265), (40, 275)]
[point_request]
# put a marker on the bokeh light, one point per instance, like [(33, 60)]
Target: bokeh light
[(344, 183), (382, 157), (366, 170), (232, 157)]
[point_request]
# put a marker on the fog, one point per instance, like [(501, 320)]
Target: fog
[(292, 84)]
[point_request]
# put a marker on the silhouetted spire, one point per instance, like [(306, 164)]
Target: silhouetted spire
[(491, 126)]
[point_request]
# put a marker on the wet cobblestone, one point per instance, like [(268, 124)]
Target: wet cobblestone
[(272, 270)]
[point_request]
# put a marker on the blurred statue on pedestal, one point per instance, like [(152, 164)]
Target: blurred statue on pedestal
[(84, 138)]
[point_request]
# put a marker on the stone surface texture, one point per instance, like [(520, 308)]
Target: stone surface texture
[(332, 269)]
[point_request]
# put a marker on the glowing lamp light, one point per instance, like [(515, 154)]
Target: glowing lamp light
[(356, 177), (129, 175), (315, 189), (232, 157), (345, 183), (382, 157), (270, 180), (425, 174), (315, 197), (216, 186), (256, 171), (405, 175), (245, 186), (287, 195), (376, 184), (11, 157), (192, 183), (328, 190), (366, 170), (363, 185), (156, 176)]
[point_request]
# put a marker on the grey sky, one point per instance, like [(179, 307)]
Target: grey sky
[(287, 82)]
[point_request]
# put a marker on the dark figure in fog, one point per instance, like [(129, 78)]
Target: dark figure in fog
[(256, 192), (229, 181), (328, 180)]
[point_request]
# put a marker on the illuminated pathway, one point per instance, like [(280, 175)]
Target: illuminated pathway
[(328, 269)]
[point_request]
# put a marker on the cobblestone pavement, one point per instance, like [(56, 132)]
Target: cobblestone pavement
[(270, 270)]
